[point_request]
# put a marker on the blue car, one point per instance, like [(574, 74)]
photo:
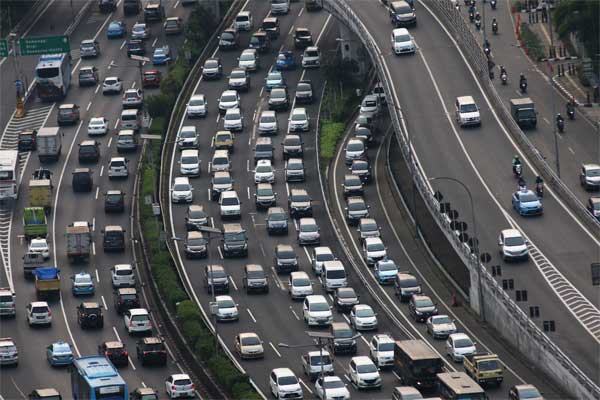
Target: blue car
[(161, 56), (274, 79), (385, 271), (526, 202), (82, 284), (285, 61), (116, 29), (59, 353)]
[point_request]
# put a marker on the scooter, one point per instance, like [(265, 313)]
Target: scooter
[(495, 28), (560, 124), (523, 86), (518, 170), (471, 16), (493, 4), (504, 77), (478, 24), (539, 189), (571, 112)]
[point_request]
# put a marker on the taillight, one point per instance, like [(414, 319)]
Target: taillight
[(106, 353), (131, 324), (49, 313), (193, 386), (125, 353), (145, 353), (173, 387)]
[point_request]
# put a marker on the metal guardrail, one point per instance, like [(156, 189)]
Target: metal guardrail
[(340, 9)]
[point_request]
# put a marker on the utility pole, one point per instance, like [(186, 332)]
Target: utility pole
[(552, 54)]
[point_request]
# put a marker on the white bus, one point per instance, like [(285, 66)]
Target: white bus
[(9, 174), (53, 76)]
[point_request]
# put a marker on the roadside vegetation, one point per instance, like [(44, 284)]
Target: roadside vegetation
[(532, 43), (11, 12)]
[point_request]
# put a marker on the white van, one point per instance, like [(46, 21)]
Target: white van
[(131, 118), (220, 161), (333, 275), (280, 7), (467, 112)]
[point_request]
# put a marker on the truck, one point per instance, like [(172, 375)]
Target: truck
[(34, 222), (49, 144), (484, 368), (79, 241), (311, 364), (40, 194), (47, 282), (417, 364), (9, 174), (523, 111)]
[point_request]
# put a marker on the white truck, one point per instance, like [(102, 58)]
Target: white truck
[(9, 174), (49, 144), (312, 365)]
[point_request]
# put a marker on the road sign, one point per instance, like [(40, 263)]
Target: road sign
[(33, 46), (3, 48), (139, 58)]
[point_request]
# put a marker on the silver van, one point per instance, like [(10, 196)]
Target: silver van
[(131, 119), (220, 161)]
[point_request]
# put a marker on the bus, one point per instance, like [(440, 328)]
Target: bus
[(459, 386), (96, 378), (53, 76), (9, 174), (417, 364)]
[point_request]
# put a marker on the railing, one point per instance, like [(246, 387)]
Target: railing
[(340, 9)]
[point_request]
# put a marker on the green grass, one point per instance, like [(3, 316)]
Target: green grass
[(532, 42), (331, 133)]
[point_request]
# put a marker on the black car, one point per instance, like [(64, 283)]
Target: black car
[(285, 259), (152, 350), (228, 39), (114, 201), (136, 47), (302, 38), (593, 205), (114, 238), (89, 315), (277, 221), (344, 299), (89, 151), (126, 299), (353, 185), (82, 180), (154, 12), (215, 276), (107, 6), (115, 352), (304, 92), (88, 76), (292, 147), (27, 140), (421, 307), (212, 68)]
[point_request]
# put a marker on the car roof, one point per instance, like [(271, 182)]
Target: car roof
[(114, 344), (400, 31), (39, 304), (247, 335), (122, 266), (284, 247), (333, 264), (312, 48), (511, 233), (298, 191), (299, 110), (307, 220), (459, 335), (90, 304), (383, 337), (229, 193), (298, 275), (126, 132), (180, 376), (113, 228), (465, 100), (263, 163), (316, 298), (198, 96), (355, 199), (127, 291), (253, 51), (152, 340), (373, 240), (228, 91), (117, 159), (195, 207), (346, 289), (363, 307), (182, 179), (283, 372), (7, 341), (420, 297), (222, 174), (591, 166), (340, 325), (254, 267), (189, 152), (138, 311), (322, 250), (595, 200), (223, 297), (361, 360), (214, 267), (195, 235)]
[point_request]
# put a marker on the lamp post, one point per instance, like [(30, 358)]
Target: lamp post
[(475, 239), (553, 85)]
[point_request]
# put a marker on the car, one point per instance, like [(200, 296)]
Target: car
[(362, 317), (440, 326), (195, 217), (182, 190), (589, 177), (267, 123), (180, 385), (363, 133), (117, 168), (300, 203), (140, 31), (274, 79), (459, 345), (344, 299), (89, 315), (220, 161), (320, 255), (116, 29), (352, 185), (369, 106), (363, 373), (59, 353), (27, 140), (97, 126), (162, 55), (284, 384), (362, 168), (107, 6), (294, 170), (304, 92), (467, 112), (68, 114), (115, 351), (82, 284), (316, 310), (187, 137), (421, 307), (189, 163), (402, 14), (243, 21), (278, 99), (385, 271), (220, 182), (526, 202), (230, 205), (264, 172), (402, 42), (331, 387), (229, 99), (355, 150), (151, 350), (144, 393), (292, 146), (285, 61), (9, 354), (136, 47), (308, 232), (265, 197), (173, 26), (195, 245), (524, 392), (226, 309), (261, 41), (233, 120), (228, 39), (593, 205), (405, 285), (356, 209), (216, 279), (88, 76), (277, 221), (249, 346), (153, 11), (249, 60), (137, 320), (311, 58), (239, 79), (255, 279), (299, 121), (113, 238), (151, 78), (122, 275), (513, 246), (285, 259), (112, 84), (125, 299), (133, 98), (373, 250), (271, 26), (299, 285), (89, 48), (197, 106), (381, 350), (212, 68), (302, 38), (127, 141), (40, 246), (224, 140), (89, 151)]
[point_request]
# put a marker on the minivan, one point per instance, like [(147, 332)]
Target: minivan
[(114, 238), (220, 161), (280, 7), (82, 180), (263, 149), (402, 14), (196, 245), (255, 278), (343, 338), (131, 118), (235, 241), (333, 275), (467, 112), (260, 41)]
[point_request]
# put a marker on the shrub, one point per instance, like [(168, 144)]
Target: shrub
[(160, 105), (532, 42), (331, 133)]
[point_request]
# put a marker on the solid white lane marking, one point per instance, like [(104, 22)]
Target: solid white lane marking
[(104, 304), (275, 350), (251, 315)]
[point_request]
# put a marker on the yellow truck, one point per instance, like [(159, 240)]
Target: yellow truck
[(40, 193), (484, 368), (47, 282)]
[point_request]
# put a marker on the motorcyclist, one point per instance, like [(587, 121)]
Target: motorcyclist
[(477, 16), (559, 119), (503, 71), (539, 186), (494, 24), (522, 79), (516, 161), (570, 109), (522, 184)]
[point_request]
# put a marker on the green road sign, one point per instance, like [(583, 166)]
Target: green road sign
[(3, 48), (33, 46)]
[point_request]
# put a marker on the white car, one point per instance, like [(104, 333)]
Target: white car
[(189, 162), (117, 168), (355, 150), (334, 388), (197, 106), (363, 373), (133, 98), (233, 120), (458, 345), (38, 313), (381, 350), (374, 250), (311, 58), (299, 285), (226, 309), (248, 59), (122, 275), (467, 112), (308, 232), (440, 326), (187, 137), (98, 126), (402, 41), (319, 256), (316, 310), (182, 191), (284, 384), (362, 317), (513, 245), (370, 105), (40, 246), (229, 99), (137, 320), (179, 385), (230, 205), (298, 121), (267, 123), (264, 172), (243, 21), (112, 84), (249, 345)]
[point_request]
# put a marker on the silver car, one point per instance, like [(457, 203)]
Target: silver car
[(140, 31), (308, 232)]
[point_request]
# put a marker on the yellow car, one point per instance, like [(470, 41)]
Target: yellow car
[(223, 140)]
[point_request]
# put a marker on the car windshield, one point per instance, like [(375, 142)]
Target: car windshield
[(308, 228), (301, 282), (528, 197), (319, 307), (423, 303), (227, 303), (160, 51), (301, 198), (241, 18), (593, 172), (221, 180), (376, 247), (386, 346), (181, 187), (529, 393), (82, 279), (189, 160), (268, 119), (400, 39), (87, 45), (39, 245), (299, 117), (287, 380), (278, 94), (228, 98), (461, 343), (356, 206), (230, 116), (316, 360), (355, 146), (442, 320), (354, 181), (336, 274), (172, 23), (387, 266), (334, 384), (287, 254), (270, 24), (364, 312), (237, 74), (247, 57), (343, 294), (223, 137), (368, 227), (264, 169), (366, 368), (489, 365), (211, 64), (277, 217), (292, 141), (182, 382), (230, 201), (239, 236), (359, 167), (467, 108), (264, 192), (311, 53), (295, 166), (325, 257), (273, 76), (197, 214), (250, 341), (596, 205), (227, 36), (404, 9), (197, 242), (514, 241), (409, 282), (196, 102), (187, 134), (343, 333)]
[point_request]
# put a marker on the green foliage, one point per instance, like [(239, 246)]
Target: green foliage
[(160, 105), (580, 17), (532, 42), (200, 25), (331, 133)]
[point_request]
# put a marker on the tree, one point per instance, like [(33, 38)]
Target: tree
[(581, 17)]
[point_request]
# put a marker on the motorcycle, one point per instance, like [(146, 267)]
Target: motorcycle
[(487, 51), (493, 4), (539, 189), (523, 86), (518, 170), (504, 77), (495, 28), (571, 112), (560, 124), (478, 24), (471, 16)]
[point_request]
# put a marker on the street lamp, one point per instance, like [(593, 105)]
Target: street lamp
[(475, 239)]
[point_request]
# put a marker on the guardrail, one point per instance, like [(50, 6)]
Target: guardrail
[(584, 387)]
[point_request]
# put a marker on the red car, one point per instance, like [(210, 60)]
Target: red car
[(151, 78)]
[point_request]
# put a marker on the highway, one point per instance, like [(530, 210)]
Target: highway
[(427, 85), (68, 207)]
